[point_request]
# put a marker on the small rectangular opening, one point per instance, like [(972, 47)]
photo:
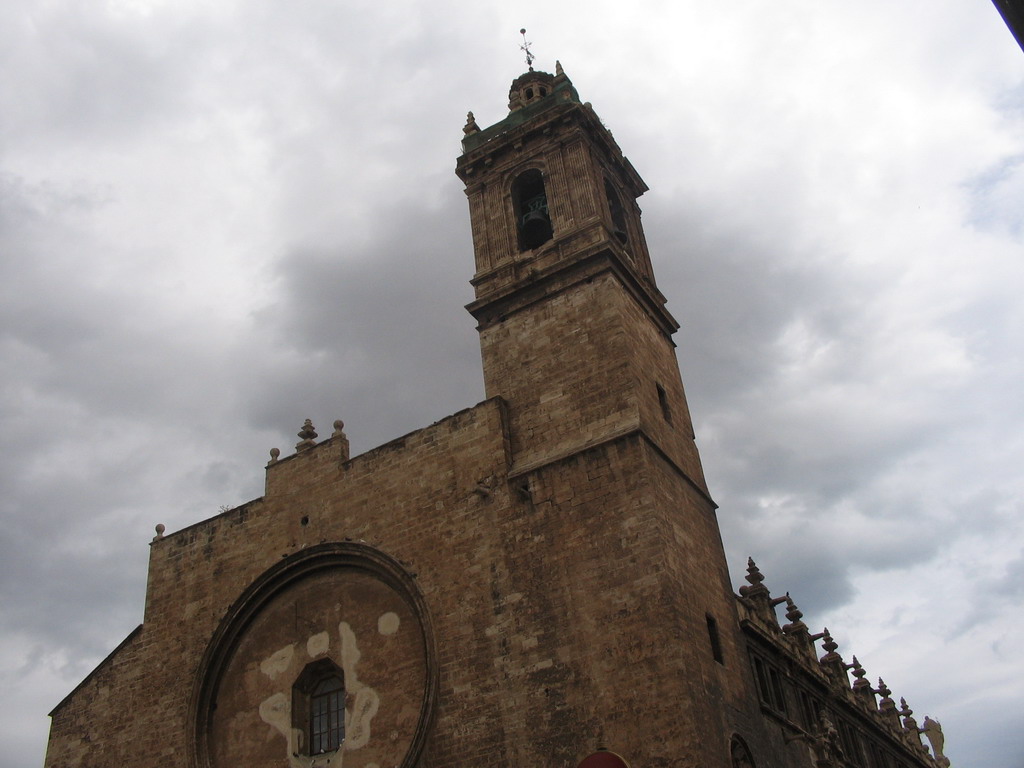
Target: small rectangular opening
[(808, 710), (763, 688), (716, 643), (666, 412), (778, 693)]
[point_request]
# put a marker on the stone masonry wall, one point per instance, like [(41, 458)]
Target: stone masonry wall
[(415, 498), (555, 601)]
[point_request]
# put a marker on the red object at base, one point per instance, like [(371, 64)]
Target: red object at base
[(603, 759)]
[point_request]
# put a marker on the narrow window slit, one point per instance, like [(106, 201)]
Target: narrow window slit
[(666, 412), (716, 642)]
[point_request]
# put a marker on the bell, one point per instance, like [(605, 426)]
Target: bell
[(536, 228)]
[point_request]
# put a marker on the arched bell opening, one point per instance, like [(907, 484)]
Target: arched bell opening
[(532, 92), (618, 213), (530, 200)]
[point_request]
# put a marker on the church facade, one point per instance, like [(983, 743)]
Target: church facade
[(536, 580)]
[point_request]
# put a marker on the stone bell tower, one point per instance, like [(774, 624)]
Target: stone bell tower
[(618, 526), (574, 332)]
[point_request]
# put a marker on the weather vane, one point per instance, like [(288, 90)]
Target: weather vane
[(526, 47)]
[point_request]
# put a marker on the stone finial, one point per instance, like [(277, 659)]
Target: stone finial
[(909, 723), (471, 126), (887, 707), (758, 596), (910, 729), (338, 435), (829, 645), (559, 72), (883, 691), (859, 681), (754, 578), (794, 616), (307, 435), (832, 662), (160, 528), (797, 631), (862, 689), (754, 575), (792, 612), (275, 454)]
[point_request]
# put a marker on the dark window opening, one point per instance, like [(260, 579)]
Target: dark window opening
[(327, 716), (617, 211), (763, 688), (543, 92), (318, 708), (809, 710), (529, 93), (851, 743), (769, 686), (716, 643), (878, 757), (740, 754), (778, 694), (666, 412), (533, 221)]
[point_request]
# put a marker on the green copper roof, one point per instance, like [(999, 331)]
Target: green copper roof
[(562, 91)]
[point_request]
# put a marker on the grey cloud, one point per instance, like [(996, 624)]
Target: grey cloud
[(388, 322), (329, 137)]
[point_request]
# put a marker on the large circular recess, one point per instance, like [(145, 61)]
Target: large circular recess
[(336, 615)]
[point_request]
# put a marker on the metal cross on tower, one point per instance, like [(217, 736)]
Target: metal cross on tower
[(526, 47)]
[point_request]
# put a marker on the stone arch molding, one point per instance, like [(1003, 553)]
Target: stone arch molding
[(347, 605), (739, 753)]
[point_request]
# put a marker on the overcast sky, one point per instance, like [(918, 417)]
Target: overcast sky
[(220, 218)]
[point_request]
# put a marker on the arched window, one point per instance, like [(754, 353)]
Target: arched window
[(740, 754), (617, 211), (530, 200), (318, 708), (327, 716)]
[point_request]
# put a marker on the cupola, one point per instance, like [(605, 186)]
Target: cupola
[(529, 88)]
